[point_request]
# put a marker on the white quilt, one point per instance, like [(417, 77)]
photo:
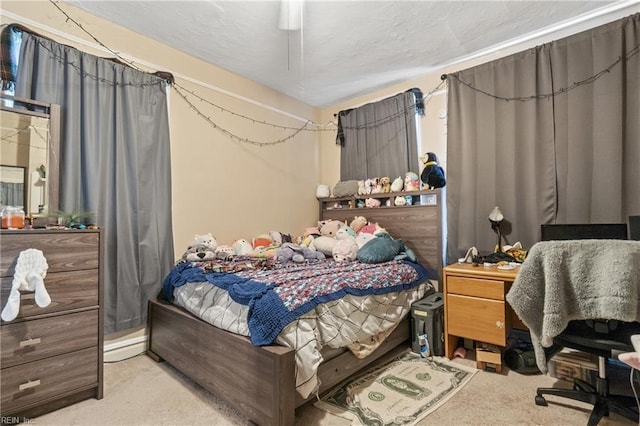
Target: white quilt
[(335, 324)]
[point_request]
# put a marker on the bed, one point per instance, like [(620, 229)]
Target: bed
[(262, 380)]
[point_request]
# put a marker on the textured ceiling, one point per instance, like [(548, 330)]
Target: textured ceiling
[(344, 48)]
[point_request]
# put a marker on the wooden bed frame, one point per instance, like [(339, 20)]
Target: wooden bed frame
[(259, 381)]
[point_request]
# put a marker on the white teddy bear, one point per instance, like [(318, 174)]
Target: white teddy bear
[(205, 239)]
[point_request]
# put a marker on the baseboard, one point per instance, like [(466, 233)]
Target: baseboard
[(121, 350)]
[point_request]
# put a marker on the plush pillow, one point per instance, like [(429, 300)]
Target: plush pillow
[(324, 245), (380, 249), (345, 188)]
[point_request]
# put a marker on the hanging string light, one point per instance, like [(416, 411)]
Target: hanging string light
[(309, 125), (630, 53)]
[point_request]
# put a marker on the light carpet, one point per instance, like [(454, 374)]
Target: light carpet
[(141, 392), (401, 392)]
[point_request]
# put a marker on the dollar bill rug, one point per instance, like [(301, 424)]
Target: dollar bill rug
[(399, 393)]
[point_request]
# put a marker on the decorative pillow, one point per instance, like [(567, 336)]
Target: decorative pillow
[(345, 188), (380, 249)]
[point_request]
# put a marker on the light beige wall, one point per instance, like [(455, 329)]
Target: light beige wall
[(231, 189)]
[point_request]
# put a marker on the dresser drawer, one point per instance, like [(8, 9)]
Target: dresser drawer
[(477, 287), (67, 290), (27, 341), (31, 383), (476, 318), (64, 250)]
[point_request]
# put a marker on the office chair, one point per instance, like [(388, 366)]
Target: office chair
[(600, 337)]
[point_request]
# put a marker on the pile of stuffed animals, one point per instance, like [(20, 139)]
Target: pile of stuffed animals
[(431, 177), (333, 239)]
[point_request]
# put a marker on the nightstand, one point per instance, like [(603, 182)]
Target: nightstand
[(475, 306)]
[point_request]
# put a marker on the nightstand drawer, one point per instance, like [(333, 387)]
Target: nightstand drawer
[(67, 290), (476, 287), (476, 318), (31, 383), (27, 341)]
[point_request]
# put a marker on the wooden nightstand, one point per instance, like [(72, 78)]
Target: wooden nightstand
[(475, 306)]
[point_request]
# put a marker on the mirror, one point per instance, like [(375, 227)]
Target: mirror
[(29, 156)]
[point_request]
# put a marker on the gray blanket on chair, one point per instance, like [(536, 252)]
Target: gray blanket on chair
[(561, 281)]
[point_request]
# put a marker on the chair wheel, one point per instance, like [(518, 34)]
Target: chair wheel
[(541, 401)]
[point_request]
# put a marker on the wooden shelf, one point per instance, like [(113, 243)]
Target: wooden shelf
[(423, 197)]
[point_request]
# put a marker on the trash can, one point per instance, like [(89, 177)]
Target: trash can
[(427, 322)]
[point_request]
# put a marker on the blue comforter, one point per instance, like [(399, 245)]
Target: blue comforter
[(281, 292)]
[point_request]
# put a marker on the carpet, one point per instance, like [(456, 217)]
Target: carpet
[(401, 392)]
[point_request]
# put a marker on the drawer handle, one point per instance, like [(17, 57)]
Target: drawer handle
[(29, 384), (29, 342)]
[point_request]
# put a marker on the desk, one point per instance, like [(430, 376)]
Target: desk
[(475, 306)]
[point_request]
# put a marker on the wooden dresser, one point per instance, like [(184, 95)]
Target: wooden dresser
[(475, 306), (52, 356)]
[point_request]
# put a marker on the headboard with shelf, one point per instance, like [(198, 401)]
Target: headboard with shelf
[(419, 225)]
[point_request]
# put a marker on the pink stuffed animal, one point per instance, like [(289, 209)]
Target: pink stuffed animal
[(372, 202)]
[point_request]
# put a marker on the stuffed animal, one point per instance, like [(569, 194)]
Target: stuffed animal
[(306, 241), (206, 239), (397, 184), (432, 175), (345, 250), (345, 188), (377, 186), (400, 200), (29, 274), (312, 230), (345, 232), (242, 247), (296, 253), (224, 252), (380, 249), (330, 228), (386, 184), (369, 228), (369, 184), (411, 182), (363, 237), (198, 253), (361, 188), (324, 245), (357, 223), (323, 191), (265, 252), (262, 240), (372, 202)]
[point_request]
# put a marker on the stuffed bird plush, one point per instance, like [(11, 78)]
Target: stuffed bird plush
[(432, 175)]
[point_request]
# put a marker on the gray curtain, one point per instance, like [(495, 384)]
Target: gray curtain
[(12, 194), (380, 138), (114, 162), (571, 157)]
